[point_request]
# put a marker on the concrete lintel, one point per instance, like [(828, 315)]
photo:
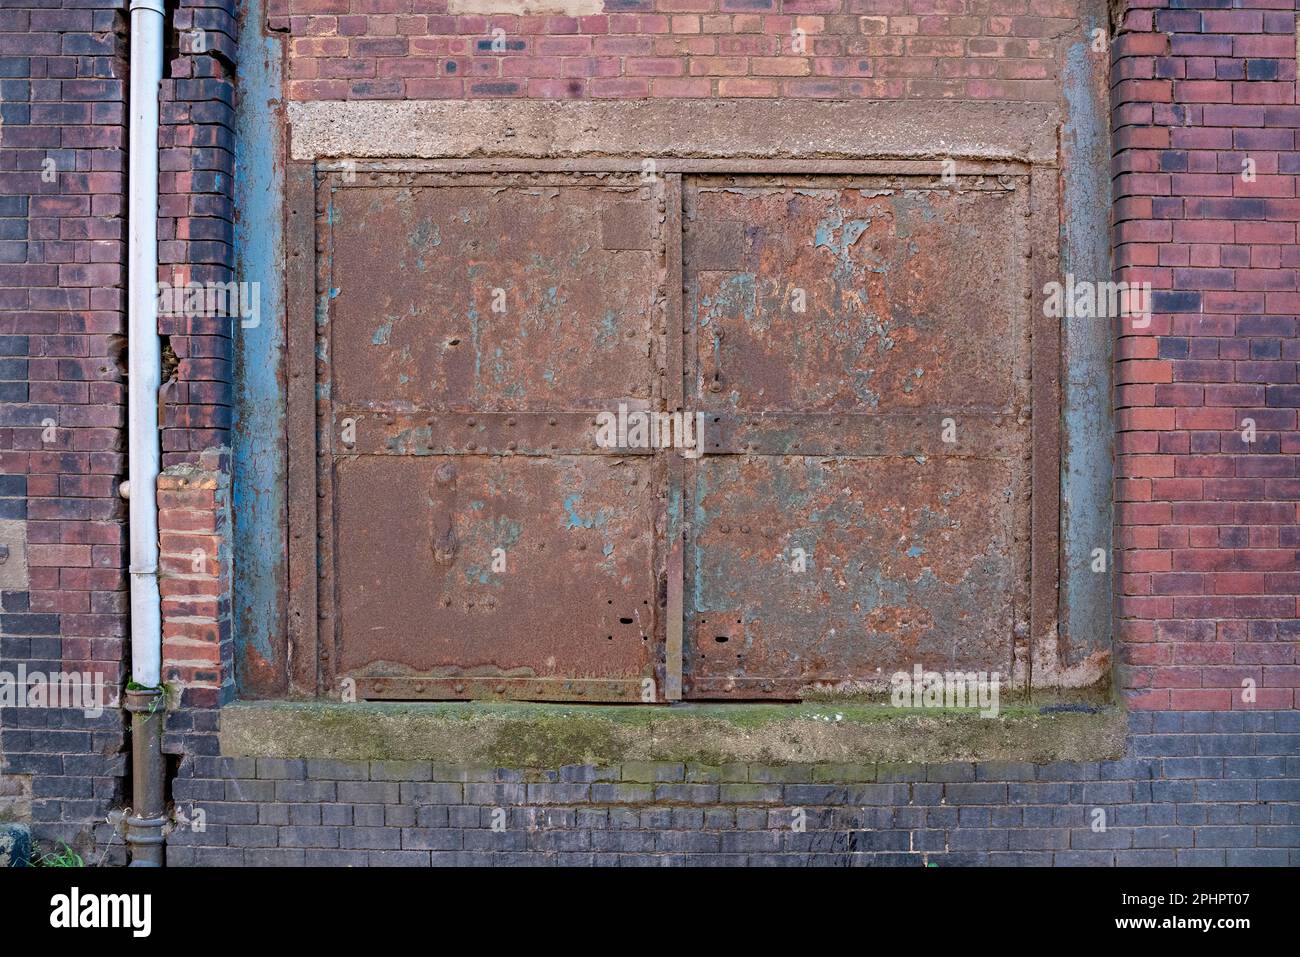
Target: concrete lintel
[(807, 129), (497, 734)]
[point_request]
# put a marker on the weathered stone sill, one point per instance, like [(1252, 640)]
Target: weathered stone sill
[(515, 735)]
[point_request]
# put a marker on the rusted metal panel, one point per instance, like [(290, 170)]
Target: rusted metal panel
[(673, 400), (482, 543), (417, 169), (816, 571), (326, 596), (864, 297), (532, 574), (300, 430), (491, 294), (861, 347), (1046, 648), (370, 428)]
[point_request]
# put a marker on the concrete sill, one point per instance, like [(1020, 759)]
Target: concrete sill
[(514, 735)]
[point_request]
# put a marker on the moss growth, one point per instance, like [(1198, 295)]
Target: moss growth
[(544, 735)]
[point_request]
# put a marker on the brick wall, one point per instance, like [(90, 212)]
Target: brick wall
[(196, 224), (1206, 523), (1206, 505), (62, 163), (1199, 789), (832, 49), (63, 597), (195, 579)]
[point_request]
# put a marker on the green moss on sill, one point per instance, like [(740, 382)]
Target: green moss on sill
[(522, 735)]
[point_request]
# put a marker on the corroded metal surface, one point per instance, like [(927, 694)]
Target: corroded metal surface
[(482, 543), (807, 570), (496, 567), (497, 293), (862, 349)]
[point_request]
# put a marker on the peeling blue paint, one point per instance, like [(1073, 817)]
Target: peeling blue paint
[(258, 457), (574, 520)]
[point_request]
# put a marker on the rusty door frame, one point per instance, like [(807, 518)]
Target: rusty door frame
[(309, 491)]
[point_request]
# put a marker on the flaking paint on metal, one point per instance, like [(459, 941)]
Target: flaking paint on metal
[(471, 448), (258, 482), (874, 594)]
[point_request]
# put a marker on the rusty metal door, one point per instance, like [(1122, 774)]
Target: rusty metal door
[(476, 542), (862, 348), (875, 490)]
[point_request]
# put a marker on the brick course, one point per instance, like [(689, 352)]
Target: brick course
[(196, 224), (828, 49), (1197, 788)]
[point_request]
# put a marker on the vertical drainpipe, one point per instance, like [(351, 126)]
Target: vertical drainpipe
[(144, 698)]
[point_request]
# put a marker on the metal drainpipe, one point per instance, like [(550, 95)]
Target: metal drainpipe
[(144, 697)]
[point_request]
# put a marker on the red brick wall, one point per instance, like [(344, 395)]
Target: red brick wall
[(1206, 521), (62, 278), (195, 223), (889, 49), (61, 310), (195, 579)]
